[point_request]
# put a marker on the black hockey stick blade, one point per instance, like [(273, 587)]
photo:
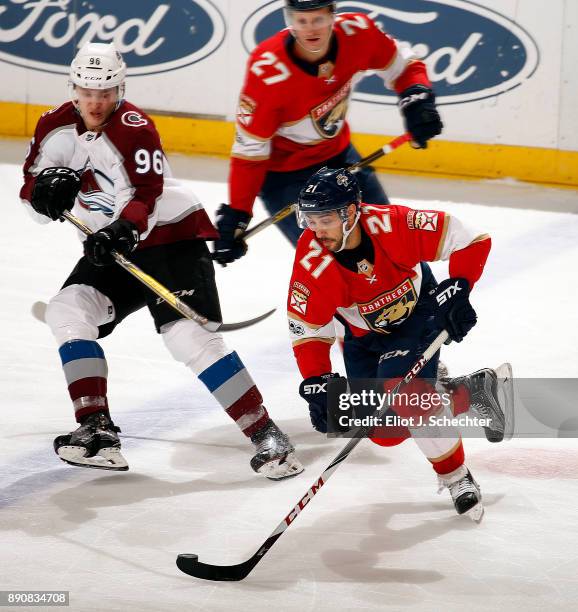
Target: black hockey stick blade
[(39, 313), (190, 564), (225, 327)]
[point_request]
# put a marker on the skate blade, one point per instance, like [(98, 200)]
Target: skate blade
[(280, 469), (105, 459), (476, 513), (506, 390)]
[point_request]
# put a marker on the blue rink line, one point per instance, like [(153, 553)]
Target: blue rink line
[(41, 469)]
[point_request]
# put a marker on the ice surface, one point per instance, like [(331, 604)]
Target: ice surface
[(377, 537)]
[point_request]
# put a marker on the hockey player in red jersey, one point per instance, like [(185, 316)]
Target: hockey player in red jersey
[(292, 110), (101, 157), (367, 263)]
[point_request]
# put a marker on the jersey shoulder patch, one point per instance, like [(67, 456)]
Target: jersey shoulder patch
[(426, 220), (132, 128)]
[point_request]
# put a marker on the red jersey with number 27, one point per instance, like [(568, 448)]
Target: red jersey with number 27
[(290, 119)]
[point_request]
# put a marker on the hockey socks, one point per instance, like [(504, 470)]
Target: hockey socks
[(232, 386), (85, 371)]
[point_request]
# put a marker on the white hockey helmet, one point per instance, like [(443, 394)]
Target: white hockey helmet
[(98, 66)]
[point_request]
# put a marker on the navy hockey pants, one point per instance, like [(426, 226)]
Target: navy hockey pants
[(282, 188)]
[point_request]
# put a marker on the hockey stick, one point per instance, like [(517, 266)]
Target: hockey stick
[(162, 291), (190, 564), (356, 167)]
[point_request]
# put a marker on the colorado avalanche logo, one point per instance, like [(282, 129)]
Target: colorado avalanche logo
[(133, 119), (92, 197)]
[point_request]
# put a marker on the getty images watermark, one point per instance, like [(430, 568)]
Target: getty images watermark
[(428, 409), (534, 408)]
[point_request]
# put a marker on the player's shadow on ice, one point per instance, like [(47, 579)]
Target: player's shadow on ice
[(367, 541), (367, 558), (310, 447), (80, 503), (367, 545)]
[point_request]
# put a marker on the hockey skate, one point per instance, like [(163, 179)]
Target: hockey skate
[(275, 455), (491, 397), (465, 492), (95, 444)]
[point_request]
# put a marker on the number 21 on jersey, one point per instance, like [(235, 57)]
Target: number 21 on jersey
[(315, 251)]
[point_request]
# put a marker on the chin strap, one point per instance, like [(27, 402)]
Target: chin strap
[(346, 232)]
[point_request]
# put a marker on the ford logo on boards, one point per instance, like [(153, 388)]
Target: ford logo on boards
[(152, 36), (471, 52)]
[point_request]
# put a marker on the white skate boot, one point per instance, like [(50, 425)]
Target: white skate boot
[(465, 492), (95, 444), (275, 455)]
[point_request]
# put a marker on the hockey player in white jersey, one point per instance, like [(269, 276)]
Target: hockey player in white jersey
[(101, 158)]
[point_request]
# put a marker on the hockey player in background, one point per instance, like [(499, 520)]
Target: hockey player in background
[(101, 157), (292, 110), (368, 264)]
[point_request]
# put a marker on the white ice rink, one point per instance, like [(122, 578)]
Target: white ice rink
[(376, 537)]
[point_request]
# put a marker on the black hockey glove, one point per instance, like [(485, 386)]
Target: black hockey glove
[(55, 190), (231, 223), (421, 118), (121, 236), (452, 309), (314, 391)]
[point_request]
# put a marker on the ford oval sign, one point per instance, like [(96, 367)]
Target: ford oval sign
[(152, 36), (471, 52)]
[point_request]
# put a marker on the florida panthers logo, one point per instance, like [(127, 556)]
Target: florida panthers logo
[(390, 308), (329, 117)]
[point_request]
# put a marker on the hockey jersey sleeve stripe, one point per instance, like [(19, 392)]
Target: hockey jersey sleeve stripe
[(456, 235), (301, 331), (396, 67), (305, 340), (247, 146), (250, 157), (221, 371)]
